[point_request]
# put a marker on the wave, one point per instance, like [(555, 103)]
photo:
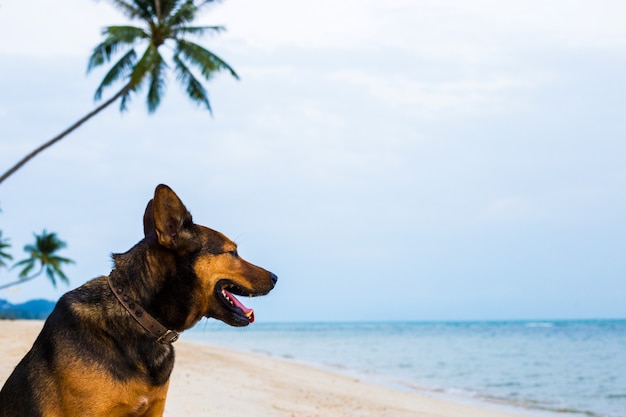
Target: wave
[(540, 324)]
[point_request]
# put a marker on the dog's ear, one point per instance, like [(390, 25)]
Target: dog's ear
[(171, 220), (148, 221)]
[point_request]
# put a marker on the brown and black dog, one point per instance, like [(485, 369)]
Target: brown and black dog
[(106, 348)]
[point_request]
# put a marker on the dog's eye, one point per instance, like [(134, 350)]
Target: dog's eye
[(234, 253)]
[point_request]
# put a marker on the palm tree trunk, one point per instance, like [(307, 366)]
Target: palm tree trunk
[(23, 280), (157, 3), (63, 134)]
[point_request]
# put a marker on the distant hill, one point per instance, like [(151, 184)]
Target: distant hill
[(33, 309)]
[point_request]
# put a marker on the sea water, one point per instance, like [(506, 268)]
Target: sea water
[(573, 368)]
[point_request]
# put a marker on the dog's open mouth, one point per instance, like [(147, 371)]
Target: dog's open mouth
[(234, 305)]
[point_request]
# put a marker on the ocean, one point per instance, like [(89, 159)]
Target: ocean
[(565, 368)]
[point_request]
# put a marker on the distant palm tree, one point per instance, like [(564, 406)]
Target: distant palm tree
[(4, 244), (43, 254), (164, 22)]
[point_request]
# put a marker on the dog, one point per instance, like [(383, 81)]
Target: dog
[(106, 348)]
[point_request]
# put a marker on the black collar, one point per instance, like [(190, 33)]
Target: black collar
[(152, 326)]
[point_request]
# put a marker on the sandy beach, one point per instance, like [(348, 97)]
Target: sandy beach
[(213, 381)]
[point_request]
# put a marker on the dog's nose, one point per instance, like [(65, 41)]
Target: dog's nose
[(274, 278)]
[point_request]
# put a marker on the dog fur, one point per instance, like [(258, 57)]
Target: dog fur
[(93, 359)]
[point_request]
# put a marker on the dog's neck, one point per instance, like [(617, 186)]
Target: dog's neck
[(152, 277), (161, 333)]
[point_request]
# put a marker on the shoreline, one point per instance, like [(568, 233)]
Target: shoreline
[(484, 403), (502, 365), (218, 382)]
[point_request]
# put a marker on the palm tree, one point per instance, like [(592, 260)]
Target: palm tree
[(4, 244), (163, 23), (43, 253)]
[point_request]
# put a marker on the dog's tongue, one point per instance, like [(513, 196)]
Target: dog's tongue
[(249, 313)]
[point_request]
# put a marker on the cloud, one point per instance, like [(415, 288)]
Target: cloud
[(583, 23), (41, 28), (479, 29), (465, 95), (320, 24)]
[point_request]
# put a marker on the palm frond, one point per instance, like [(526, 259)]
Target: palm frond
[(145, 65), (167, 7), (125, 100), (121, 69), (157, 84), (4, 256), (57, 260), (156, 10), (117, 37), (140, 71), (133, 9), (197, 30), (50, 274), (206, 61), (193, 87), (102, 53), (203, 3), (23, 262), (184, 14), (30, 249), (53, 269), (4, 244), (28, 264), (125, 34), (59, 272)]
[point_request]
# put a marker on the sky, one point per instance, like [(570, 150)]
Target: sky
[(397, 160)]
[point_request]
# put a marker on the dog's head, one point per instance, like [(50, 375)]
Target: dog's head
[(219, 273)]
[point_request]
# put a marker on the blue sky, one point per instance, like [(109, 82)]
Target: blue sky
[(399, 160)]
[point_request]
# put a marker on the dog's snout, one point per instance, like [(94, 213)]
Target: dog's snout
[(274, 278)]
